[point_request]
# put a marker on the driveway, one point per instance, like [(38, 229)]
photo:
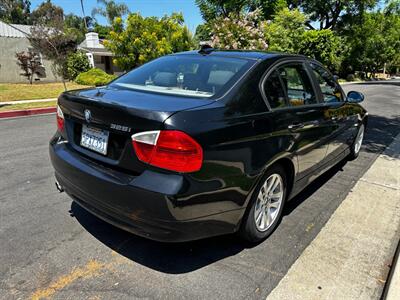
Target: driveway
[(50, 247)]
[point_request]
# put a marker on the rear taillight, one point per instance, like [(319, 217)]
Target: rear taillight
[(60, 119), (168, 149)]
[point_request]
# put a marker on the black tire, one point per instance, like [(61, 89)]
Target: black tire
[(354, 150), (248, 230)]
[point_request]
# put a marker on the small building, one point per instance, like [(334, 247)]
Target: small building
[(13, 39), (99, 56)]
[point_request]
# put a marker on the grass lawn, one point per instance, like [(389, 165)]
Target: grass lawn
[(6, 107), (22, 91)]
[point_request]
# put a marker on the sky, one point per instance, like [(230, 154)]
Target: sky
[(147, 8)]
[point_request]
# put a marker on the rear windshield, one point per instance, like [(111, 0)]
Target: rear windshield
[(185, 75)]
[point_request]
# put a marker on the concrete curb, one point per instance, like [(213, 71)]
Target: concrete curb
[(392, 82), (349, 258), (27, 112), (392, 290)]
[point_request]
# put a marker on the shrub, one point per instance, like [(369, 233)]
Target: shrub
[(77, 63), (94, 77)]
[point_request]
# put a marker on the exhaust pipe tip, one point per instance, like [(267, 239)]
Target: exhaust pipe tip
[(59, 187)]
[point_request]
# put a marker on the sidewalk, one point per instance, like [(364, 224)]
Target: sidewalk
[(27, 101), (350, 257)]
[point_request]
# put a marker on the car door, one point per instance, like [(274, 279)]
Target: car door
[(338, 113), (297, 111)]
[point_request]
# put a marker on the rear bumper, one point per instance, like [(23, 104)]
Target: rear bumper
[(145, 205)]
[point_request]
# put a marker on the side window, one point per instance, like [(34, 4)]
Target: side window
[(329, 87), (297, 85), (274, 91)]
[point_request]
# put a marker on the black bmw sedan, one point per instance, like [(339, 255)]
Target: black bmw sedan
[(204, 143)]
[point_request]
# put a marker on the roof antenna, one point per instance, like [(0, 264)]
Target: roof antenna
[(205, 48)]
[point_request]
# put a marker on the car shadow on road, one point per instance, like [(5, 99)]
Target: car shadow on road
[(380, 133), (313, 187), (173, 258), (177, 258)]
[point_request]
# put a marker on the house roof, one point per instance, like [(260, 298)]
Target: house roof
[(99, 50), (96, 51), (14, 30)]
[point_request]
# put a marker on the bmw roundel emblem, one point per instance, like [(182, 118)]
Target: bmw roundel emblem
[(88, 115)]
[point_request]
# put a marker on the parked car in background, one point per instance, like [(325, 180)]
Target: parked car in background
[(204, 143)]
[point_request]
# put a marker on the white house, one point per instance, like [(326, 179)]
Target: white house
[(99, 56)]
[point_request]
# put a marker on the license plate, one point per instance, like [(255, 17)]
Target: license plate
[(94, 139)]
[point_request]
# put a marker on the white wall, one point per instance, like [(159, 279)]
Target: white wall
[(10, 72)]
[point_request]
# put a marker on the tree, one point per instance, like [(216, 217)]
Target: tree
[(329, 13), (74, 21), (145, 38), (30, 64), (373, 42), (213, 9), (285, 32), (15, 11), (77, 25), (48, 14), (270, 7), (323, 45), (244, 31), (54, 43), (203, 33), (111, 10), (102, 30)]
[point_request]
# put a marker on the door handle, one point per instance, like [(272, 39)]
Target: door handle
[(296, 126)]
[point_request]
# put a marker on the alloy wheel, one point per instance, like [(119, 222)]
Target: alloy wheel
[(268, 202), (359, 139)]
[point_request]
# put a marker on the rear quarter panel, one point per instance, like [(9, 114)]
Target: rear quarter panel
[(240, 139)]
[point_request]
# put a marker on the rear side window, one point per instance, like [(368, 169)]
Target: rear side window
[(330, 89), (297, 85), (289, 85), (185, 75), (274, 91)]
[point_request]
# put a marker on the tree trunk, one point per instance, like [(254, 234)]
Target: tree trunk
[(63, 81)]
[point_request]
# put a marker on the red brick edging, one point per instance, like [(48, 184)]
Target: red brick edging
[(26, 112)]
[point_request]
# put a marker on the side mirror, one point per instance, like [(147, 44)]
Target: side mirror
[(355, 97), (336, 78)]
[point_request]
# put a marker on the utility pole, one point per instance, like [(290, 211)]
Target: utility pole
[(84, 15)]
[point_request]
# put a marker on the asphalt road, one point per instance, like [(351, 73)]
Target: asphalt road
[(51, 247)]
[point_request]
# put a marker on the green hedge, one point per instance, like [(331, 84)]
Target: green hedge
[(94, 77)]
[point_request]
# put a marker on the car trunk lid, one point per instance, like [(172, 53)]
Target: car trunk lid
[(120, 113)]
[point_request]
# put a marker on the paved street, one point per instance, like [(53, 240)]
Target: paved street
[(52, 248)]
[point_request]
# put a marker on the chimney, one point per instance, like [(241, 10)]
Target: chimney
[(92, 40)]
